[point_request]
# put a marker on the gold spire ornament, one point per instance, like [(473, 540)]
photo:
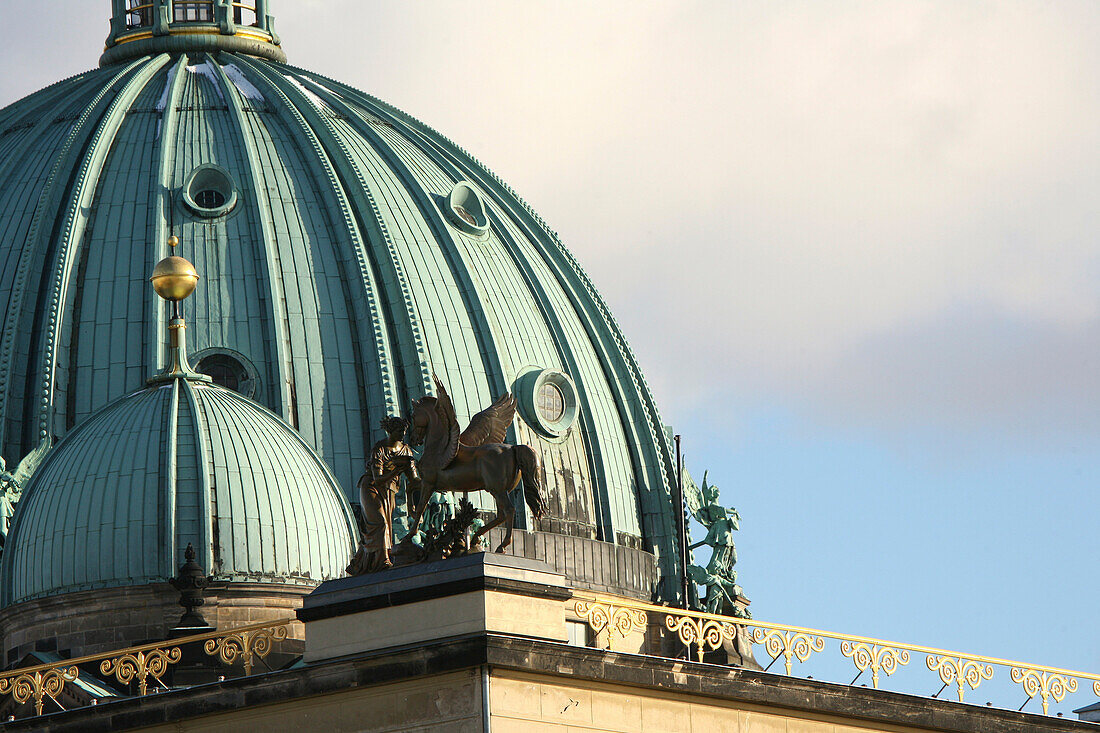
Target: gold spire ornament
[(174, 279)]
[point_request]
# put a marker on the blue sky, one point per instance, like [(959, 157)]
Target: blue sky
[(854, 244)]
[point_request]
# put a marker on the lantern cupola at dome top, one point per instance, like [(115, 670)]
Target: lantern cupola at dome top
[(143, 27)]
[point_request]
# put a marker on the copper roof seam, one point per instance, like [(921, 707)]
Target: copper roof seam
[(156, 309), (35, 240), (83, 191), (473, 305), (386, 402), (271, 264)]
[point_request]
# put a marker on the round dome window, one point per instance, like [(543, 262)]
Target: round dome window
[(550, 402), (209, 191), (547, 401), (231, 371), (466, 210)]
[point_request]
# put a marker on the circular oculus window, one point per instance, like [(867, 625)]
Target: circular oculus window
[(209, 191), (466, 210), (550, 402), (228, 370), (547, 401)]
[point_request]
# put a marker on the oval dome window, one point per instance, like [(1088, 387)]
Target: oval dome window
[(209, 191), (466, 210)]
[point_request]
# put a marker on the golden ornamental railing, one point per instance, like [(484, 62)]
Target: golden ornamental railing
[(146, 664), (617, 619)]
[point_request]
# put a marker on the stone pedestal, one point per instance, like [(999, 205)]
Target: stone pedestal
[(476, 594)]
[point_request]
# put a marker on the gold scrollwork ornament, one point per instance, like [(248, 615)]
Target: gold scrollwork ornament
[(1044, 684), (141, 665), (791, 645), (873, 657), (600, 616), (960, 671), (704, 633), (38, 685), (245, 645)]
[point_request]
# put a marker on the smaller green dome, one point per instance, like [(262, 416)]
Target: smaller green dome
[(184, 461)]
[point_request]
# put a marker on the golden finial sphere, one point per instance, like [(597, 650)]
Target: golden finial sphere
[(174, 278)]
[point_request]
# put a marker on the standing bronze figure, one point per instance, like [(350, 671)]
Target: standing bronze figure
[(475, 460), (390, 460)]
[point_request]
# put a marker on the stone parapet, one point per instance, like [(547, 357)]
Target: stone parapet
[(590, 564), (479, 593), (94, 621)]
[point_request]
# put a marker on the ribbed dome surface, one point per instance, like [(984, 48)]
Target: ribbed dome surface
[(346, 251), (119, 499)]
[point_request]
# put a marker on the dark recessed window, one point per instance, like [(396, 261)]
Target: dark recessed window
[(140, 14), (225, 371), (210, 199), (465, 209), (466, 216), (209, 191), (183, 12)]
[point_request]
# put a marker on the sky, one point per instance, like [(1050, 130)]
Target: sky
[(853, 244)]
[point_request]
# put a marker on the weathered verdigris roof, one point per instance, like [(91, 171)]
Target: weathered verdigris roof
[(356, 251), (119, 499)]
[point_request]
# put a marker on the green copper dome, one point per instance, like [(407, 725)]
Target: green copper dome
[(181, 462), (347, 252)]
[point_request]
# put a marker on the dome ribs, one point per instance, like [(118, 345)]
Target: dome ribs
[(378, 391), (461, 375), (91, 143), (654, 462), (205, 500), (411, 366), (22, 124), (157, 311), (273, 267), (96, 513), (36, 149), (476, 172), (103, 340), (550, 319)]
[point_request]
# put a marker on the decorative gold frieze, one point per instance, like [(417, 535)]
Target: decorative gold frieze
[(959, 670), (140, 665), (622, 619), (791, 644), (1046, 685), (874, 657), (141, 662), (703, 632), (246, 645), (39, 685)]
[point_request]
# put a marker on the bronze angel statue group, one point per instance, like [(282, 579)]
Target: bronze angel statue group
[(474, 459)]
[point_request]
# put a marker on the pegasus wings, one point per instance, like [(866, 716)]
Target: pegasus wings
[(491, 424), (445, 410)]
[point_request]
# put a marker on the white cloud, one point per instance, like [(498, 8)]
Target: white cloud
[(770, 194)]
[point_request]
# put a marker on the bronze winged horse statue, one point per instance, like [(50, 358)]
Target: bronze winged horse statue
[(475, 460)]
